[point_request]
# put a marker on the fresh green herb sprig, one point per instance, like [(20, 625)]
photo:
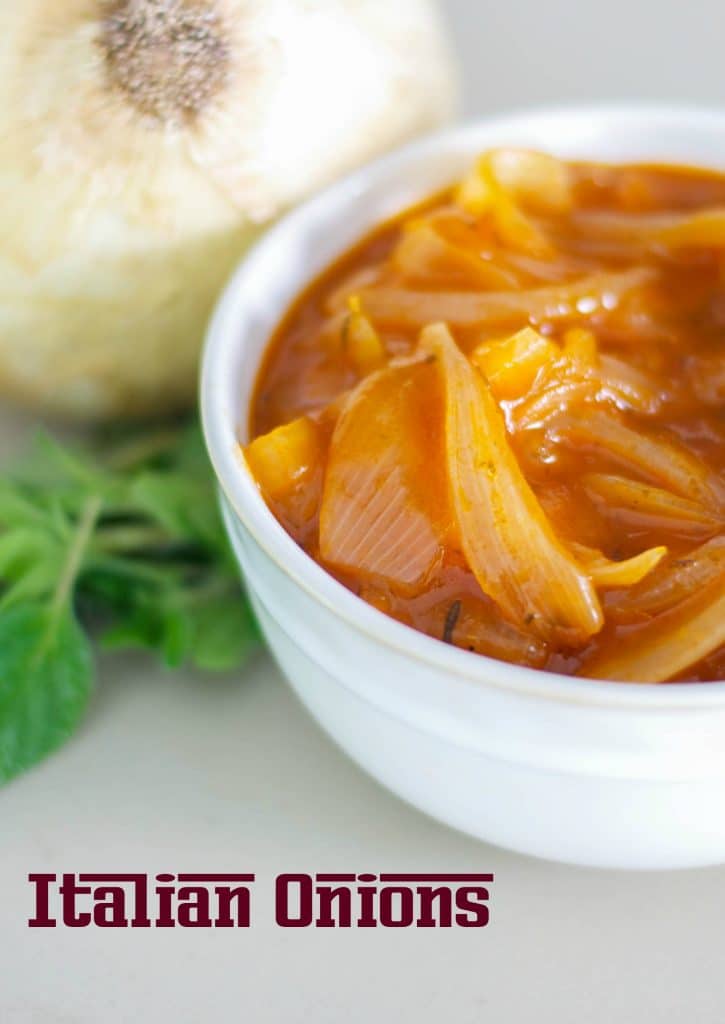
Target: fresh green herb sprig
[(121, 541)]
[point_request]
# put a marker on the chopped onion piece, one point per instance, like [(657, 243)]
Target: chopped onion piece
[(500, 180), (507, 539), (280, 459), (538, 180), (580, 348), (361, 341), (511, 364)]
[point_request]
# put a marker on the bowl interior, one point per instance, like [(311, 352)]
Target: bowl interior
[(306, 241)]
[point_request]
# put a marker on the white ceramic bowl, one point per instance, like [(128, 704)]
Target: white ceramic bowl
[(615, 775)]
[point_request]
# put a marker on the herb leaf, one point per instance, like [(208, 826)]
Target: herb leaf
[(45, 682), (225, 633), (122, 538)]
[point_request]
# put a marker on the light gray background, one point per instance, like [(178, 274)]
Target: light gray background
[(530, 52), (176, 773)]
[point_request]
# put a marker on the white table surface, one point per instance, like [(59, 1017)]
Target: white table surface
[(177, 773)]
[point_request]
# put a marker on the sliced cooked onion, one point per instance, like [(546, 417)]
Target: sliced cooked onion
[(707, 378), (335, 301), (423, 254), (378, 514), (675, 582), (629, 387), (581, 298), (538, 180), (503, 181), (555, 398), (643, 505), (482, 629), (562, 268), (507, 539), (483, 195), (604, 572), (702, 228), (657, 459), (666, 647)]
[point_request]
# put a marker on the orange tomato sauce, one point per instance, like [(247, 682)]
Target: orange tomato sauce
[(613, 407)]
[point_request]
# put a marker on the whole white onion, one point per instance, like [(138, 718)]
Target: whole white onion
[(144, 144)]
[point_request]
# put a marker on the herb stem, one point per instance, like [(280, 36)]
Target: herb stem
[(84, 530), (141, 449), (130, 538), (136, 571), (215, 587), (451, 619)]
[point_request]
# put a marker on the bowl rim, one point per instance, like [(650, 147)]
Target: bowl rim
[(224, 340)]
